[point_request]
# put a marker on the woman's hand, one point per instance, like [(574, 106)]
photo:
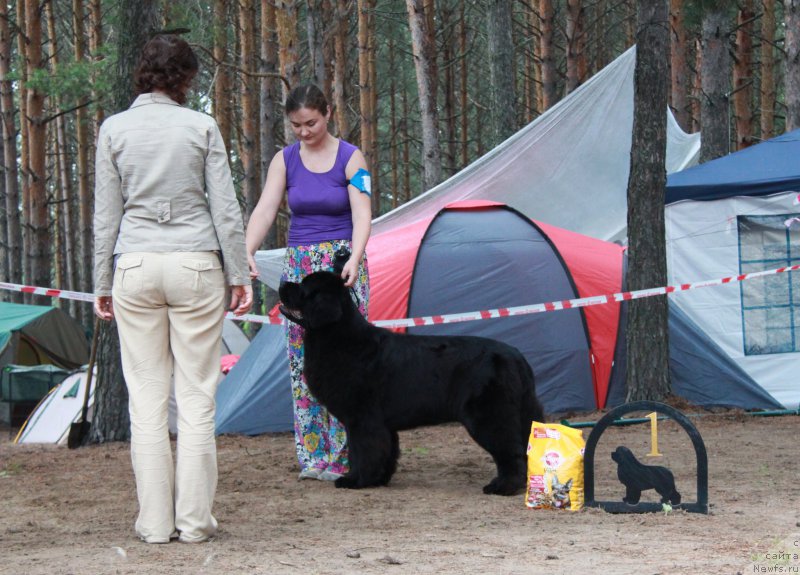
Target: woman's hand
[(350, 272), (251, 262), (241, 299), (104, 307)]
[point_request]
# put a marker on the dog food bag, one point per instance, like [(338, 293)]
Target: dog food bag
[(555, 467)]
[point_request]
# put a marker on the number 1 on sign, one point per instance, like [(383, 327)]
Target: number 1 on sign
[(653, 435)]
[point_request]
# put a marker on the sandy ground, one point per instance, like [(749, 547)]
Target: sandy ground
[(72, 511)]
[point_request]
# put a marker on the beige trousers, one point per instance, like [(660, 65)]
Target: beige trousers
[(169, 309)]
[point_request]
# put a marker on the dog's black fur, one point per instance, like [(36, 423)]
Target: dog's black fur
[(638, 477), (377, 382)]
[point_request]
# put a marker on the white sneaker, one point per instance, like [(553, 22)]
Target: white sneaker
[(310, 473)]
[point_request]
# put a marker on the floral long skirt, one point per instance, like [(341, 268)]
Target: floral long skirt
[(320, 439)]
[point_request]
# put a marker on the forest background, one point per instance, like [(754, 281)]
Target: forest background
[(424, 87)]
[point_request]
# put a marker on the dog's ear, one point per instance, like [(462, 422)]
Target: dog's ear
[(339, 259)]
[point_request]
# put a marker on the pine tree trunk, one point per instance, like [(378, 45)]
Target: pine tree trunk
[(431, 162), (315, 26), (697, 86), (791, 12), (577, 68), (767, 65), (340, 68), (84, 248), (111, 422), (647, 329), (715, 80), (394, 154), (248, 140), (221, 105), (406, 137), (110, 418), (463, 97), (372, 69), (10, 176), (501, 70), (547, 54), (64, 236), (429, 9), (286, 14), (449, 97), (4, 272), (743, 76), (270, 93), (679, 66), (328, 31), (603, 55), (58, 223), (95, 46), (249, 134), (24, 150), (37, 133), (6, 207), (365, 90), (480, 112), (534, 70), (630, 21)]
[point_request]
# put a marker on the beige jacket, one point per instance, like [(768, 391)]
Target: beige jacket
[(163, 184)]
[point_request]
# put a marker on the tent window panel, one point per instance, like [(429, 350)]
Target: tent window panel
[(764, 291), (767, 332), (794, 282), (770, 305)]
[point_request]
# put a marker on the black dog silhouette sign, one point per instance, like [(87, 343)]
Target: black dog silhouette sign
[(638, 477)]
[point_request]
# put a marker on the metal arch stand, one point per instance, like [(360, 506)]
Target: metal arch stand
[(700, 506)]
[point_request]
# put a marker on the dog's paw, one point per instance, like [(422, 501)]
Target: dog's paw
[(504, 487), (347, 482)]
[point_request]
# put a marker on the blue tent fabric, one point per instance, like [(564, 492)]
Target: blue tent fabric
[(704, 374), (255, 397), (700, 371), (766, 168)]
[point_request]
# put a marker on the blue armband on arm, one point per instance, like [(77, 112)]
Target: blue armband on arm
[(362, 181)]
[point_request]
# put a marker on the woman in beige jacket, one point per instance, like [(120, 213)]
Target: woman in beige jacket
[(168, 240)]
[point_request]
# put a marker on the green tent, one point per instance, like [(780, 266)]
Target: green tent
[(36, 335)]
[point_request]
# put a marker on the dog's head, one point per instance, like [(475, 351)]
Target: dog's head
[(319, 300), (621, 454)]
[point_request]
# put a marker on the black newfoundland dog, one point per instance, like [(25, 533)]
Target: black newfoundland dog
[(377, 382)]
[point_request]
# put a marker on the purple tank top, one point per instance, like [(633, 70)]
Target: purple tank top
[(319, 202)]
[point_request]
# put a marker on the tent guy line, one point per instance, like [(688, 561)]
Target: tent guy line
[(465, 316)]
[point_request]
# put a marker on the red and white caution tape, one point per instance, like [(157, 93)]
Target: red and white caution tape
[(57, 293), (467, 316), (80, 296), (572, 303)]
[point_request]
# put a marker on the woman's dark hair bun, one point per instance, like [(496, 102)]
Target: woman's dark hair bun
[(167, 64)]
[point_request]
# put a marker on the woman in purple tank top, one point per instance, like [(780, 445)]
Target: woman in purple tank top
[(328, 190)]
